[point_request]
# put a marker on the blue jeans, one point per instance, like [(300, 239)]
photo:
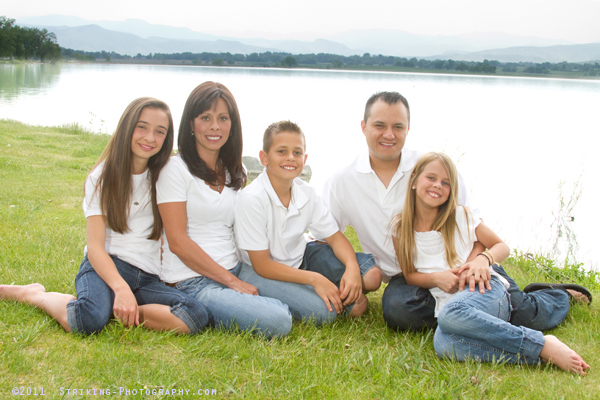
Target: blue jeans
[(408, 307), (94, 305), (303, 301), (475, 326), (228, 308)]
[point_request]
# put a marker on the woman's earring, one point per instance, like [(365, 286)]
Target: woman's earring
[(192, 133), (414, 188)]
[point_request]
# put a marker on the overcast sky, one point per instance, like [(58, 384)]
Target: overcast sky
[(575, 20)]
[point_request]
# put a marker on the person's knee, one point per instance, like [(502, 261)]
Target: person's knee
[(372, 280), (193, 314), (280, 325), (90, 319), (399, 315), (402, 321)]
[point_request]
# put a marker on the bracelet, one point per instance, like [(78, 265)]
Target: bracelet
[(486, 257), (490, 254)]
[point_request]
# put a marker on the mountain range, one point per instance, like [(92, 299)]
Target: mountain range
[(134, 36)]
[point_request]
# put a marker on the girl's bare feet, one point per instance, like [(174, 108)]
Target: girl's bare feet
[(54, 304), (561, 355), (20, 293), (360, 306)]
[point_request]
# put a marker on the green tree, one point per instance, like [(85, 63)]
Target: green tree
[(337, 64), (218, 62), (7, 37), (48, 48), (289, 62)]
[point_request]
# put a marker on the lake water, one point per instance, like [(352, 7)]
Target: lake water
[(517, 141)]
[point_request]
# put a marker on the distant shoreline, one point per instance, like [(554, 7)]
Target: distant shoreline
[(375, 68)]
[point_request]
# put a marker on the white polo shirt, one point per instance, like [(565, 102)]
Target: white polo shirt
[(263, 223), (132, 246), (356, 196), (210, 217)]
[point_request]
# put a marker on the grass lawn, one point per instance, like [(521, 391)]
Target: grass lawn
[(42, 236)]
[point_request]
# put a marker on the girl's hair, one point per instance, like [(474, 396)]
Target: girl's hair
[(116, 182), (445, 222), (203, 98)]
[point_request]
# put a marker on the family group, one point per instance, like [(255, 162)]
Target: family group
[(180, 242)]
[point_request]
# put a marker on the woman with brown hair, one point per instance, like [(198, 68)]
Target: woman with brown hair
[(196, 197)]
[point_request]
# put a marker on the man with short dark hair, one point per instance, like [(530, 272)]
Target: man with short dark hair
[(368, 193)]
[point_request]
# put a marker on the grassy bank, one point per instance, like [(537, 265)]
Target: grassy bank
[(42, 236)]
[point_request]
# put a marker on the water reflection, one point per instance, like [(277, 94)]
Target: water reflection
[(17, 79)]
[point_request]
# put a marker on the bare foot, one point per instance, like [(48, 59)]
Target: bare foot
[(578, 297), (20, 293), (561, 355), (360, 306)]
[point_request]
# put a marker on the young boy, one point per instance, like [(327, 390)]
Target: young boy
[(272, 217)]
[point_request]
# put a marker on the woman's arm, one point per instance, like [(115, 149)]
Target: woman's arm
[(125, 306), (351, 282), (268, 268), (174, 216)]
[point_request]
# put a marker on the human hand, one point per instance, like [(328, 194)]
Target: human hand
[(125, 307), (328, 292), (243, 287), (351, 286), (447, 280), (476, 272)]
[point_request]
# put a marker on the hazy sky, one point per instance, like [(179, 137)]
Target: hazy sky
[(576, 20)]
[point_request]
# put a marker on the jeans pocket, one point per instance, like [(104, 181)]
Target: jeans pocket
[(505, 308), (192, 286)]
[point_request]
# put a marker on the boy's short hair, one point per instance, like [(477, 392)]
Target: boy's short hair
[(279, 127)]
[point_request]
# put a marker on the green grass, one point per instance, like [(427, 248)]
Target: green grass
[(42, 236)]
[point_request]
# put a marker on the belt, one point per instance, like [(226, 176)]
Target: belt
[(172, 284)]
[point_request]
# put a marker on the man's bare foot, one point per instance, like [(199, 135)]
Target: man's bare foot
[(20, 293), (561, 355), (360, 306), (578, 297)]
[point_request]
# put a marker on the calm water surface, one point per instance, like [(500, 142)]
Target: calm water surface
[(516, 140)]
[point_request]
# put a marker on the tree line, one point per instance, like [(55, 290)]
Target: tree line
[(336, 61), (27, 43)]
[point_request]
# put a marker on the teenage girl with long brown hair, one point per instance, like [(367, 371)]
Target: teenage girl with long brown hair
[(119, 273)]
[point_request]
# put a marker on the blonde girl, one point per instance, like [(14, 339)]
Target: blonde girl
[(119, 273), (433, 237)]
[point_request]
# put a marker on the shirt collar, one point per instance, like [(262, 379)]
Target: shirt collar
[(298, 196), (407, 162)]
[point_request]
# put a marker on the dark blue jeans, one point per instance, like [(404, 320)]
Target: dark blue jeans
[(408, 307), (94, 305)]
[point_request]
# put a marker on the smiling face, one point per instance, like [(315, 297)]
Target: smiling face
[(432, 186), (148, 136), (211, 129), (285, 159), (385, 130)]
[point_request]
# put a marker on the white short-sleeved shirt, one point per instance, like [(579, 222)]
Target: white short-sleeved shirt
[(263, 223), (210, 217), (430, 254), (133, 245), (356, 196)]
